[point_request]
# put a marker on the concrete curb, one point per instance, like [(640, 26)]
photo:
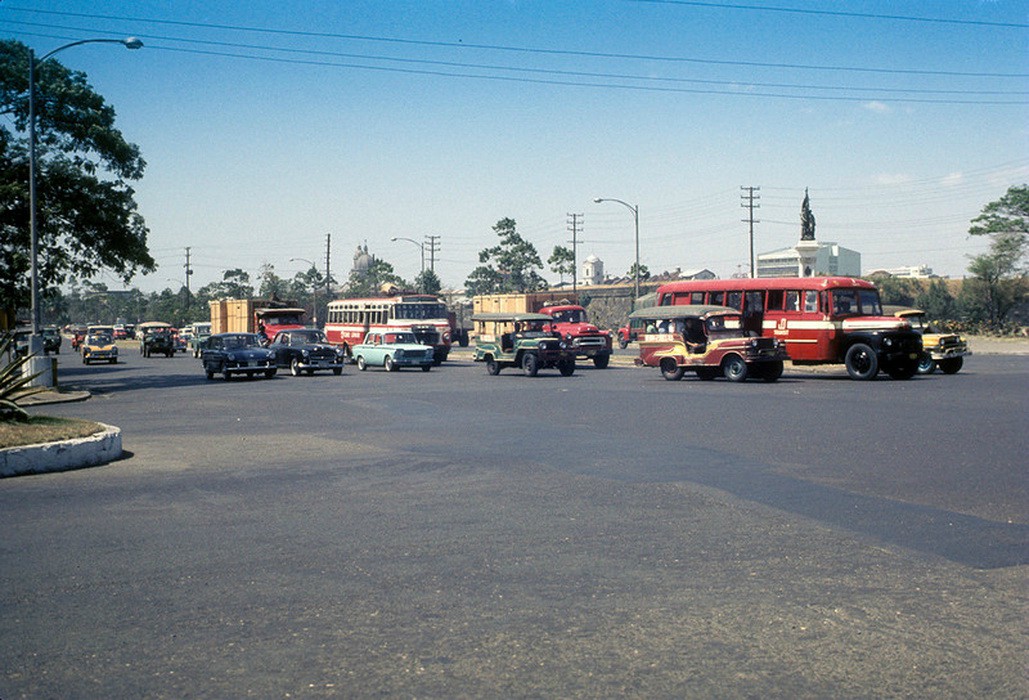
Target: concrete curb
[(62, 455)]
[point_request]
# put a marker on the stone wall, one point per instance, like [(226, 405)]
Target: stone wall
[(609, 306)]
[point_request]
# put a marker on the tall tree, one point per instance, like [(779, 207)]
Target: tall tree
[(272, 286), (87, 216), (428, 282), (370, 282), (1000, 277), (510, 266), (562, 262)]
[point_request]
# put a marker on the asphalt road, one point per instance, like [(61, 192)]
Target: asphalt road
[(451, 534)]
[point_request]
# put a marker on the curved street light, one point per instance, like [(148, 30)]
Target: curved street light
[(314, 291), (421, 247), (36, 339), (635, 209)]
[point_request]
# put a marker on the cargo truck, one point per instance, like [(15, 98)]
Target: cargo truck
[(264, 316), (570, 320)]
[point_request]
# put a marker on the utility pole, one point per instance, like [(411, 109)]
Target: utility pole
[(189, 271), (433, 243), (328, 250), (573, 226), (750, 202)]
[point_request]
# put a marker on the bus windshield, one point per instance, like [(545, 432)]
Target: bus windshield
[(420, 312), (856, 302)]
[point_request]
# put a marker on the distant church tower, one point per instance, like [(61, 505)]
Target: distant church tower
[(592, 270)]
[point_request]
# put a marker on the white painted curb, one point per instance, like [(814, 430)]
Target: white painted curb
[(62, 455)]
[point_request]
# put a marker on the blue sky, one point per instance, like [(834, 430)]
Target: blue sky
[(268, 125)]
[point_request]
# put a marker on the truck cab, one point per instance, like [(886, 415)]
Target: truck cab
[(583, 338)]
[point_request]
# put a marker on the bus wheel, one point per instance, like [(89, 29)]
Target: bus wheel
[(926, 364), (862, 362), (670, 370), (772, 371), (951, 365), (734, 368), (530, 364)]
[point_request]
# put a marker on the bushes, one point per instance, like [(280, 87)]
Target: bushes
[(14, 384)]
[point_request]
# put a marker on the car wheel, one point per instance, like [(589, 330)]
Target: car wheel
[(361, 364), (294, 367), (601, 361), (926, 364), (114, 360), (337, 371), (734, 368), (623, 342), (861, 361), (567, 367), (225, 373), (670, 370), (209, 373), (530, 364), (389, 364), (269, 373), (492, 367), (951, 365), (85, 360), (771, 371), (426, 368)]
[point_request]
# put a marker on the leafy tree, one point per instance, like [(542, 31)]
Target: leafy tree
[(510, 266), (272, 286), (562, 262), (86, 214), (1000, 278), (235, 284), (427, 282), (644, 272), (371, 281), (895, 290), (937, 301)]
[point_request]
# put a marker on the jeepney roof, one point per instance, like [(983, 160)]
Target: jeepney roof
[(660, 313), (502, 316), (153, 324)]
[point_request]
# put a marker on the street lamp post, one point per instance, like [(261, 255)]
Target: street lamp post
[(635, 209), (314, 291), (36, 339), (421, 247)]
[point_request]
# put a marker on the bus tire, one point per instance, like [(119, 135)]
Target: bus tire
[(530, 364), (734, 368), (862, 362), (951, 365), (670, 370)]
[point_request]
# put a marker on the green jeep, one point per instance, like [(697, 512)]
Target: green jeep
[(518, 340)]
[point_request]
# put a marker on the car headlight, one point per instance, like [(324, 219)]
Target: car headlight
[(888, 342), (305, 354), (753, 343), (398, 354)]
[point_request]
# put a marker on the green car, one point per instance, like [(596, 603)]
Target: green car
[(519, 340)]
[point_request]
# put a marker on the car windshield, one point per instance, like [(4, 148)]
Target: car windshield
[(99, 340), (237, 342), (401, 338), (418, 312), (570, 316), (301, 337)]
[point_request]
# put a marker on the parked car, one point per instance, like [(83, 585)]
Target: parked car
[(237, 353), (307, 350), (707, 340), (99, 347), (521, 340), (944, 350), (392, 350)]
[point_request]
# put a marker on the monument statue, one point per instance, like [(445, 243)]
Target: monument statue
[(807, 220)]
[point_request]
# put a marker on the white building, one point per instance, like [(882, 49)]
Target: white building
[(592, 271), (810, 259), (907, 272)]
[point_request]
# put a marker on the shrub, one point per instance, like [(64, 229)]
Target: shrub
[(14, 384)]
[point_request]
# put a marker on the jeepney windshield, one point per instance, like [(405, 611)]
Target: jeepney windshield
[(530, 328), (419, 312), (856, 302)]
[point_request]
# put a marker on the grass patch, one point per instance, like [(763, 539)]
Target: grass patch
[(44, 429)]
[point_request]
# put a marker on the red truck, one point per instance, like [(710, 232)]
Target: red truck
[(570, 321), (264, 316)]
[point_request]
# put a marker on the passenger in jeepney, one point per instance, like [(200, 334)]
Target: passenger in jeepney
[(693, 335)]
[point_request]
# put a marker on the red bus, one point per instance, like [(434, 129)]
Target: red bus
[(424, 315), (821, 319)]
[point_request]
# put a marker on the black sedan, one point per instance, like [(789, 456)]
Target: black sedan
[(237, 353), (306, 350)]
